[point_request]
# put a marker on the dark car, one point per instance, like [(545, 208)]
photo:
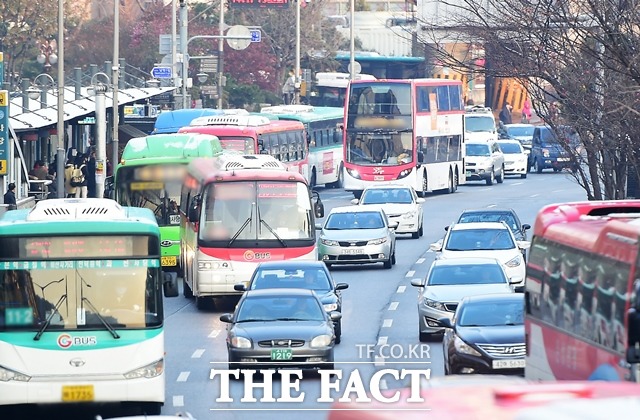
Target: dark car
[(280, 328), (547, 151), (486, 335), (312, 275), (508, 216)]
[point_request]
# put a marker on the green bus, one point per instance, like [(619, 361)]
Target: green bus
[(324, 135), (81, 307), (150, 174)]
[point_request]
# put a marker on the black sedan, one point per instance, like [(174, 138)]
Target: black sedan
[(509, 216), (312, 275), (280, 328), (486, 335)]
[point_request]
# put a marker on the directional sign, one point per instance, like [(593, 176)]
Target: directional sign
[(161, 72), (256, 35), (4, 131)]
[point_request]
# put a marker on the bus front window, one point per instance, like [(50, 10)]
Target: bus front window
[(380, 149), (244, 145)]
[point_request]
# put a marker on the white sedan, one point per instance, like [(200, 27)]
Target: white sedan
[(400, 203), (515, 158)]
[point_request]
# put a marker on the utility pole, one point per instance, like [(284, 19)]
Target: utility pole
[(174, 41), (296, 85), (115, 80), (220, 55), (183, 49)]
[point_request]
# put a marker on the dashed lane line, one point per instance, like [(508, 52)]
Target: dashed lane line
[(197, 354), (401, 289), (178, 400), (378, 361), (393, 306), (183, 376), (410, 273), (382, 340), (419, 260), (387, 323), (214, 333)]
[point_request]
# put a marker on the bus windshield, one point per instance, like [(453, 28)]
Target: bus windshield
[(245, 145), (156, 187), (273, 211), (41, 289)]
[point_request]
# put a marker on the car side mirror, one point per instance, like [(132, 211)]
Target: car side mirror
[(446, 228), (420, 200), (526, 227), (445, 322), (170, 284), (335, 316), (523, 244), (228, 318), (515, 280), (417, 282), (240, 287), (342, 286), (393, 225), (355, 201), (436, 246)]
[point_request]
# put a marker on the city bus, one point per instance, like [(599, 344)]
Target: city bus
[(324, 134), (150, 174), (237, 211), (81, 305), (582, 300), (406, 131), (249, 134), (169, 122)]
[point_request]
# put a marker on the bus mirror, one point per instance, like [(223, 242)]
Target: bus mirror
[(337, 138), (264, 152), (633, 336), (421, 157), (194, 209), (170, 284), (318, 208), (260, 143)]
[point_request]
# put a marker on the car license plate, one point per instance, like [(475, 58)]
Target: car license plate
[(353, 251), (77, 393), (281, 354), (168, 261), (508, 364), (563, 159), (378, 177)]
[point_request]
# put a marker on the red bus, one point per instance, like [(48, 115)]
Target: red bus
[(237, 211), (405, 131), (582, 305), (249, 134)]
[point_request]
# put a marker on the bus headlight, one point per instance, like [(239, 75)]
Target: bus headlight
[(214, 265), (149, 371), (404, 173), (513, 262), (354, 173), (7, 375)]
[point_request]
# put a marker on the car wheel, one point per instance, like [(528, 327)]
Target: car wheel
[(387, 264), (421, 230), (491, 178), (186, 290), (393, 258), (523, 176), (416, 234), (338, 332), (423, 337), (537, 167), (500, 179)]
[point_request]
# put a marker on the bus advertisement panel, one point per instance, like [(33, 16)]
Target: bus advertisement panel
[(324, 135), (247, 134), (81, 308), (582, 302), (237, 211), (406, 131), (150, 175)]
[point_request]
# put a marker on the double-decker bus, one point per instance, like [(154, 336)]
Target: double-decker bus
[(81, 308), (324, 135), (330, 88), (150, 174), (237, 211), (405, 131), (249, 134), (582, 298)]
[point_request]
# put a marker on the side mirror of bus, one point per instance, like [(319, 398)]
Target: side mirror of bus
[(170, 284), (264, 152), (194, 209), (633, 336), (337, 138), (421, 157), (318, 209)]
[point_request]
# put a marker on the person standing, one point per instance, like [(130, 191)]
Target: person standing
[(91, 175), (79, 178), (10, 197), (505, 114), (526, 111), (70, 190)]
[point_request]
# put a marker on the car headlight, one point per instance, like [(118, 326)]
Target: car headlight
[(545, 153), (149, 371), (7, 375), (321, 341), (409, 215), (354, 173), (240, 343), (434, 304), (404, 173), (214, 265), (329, 307), (329, 242), (377, 241), (462, 347), (513, 262)]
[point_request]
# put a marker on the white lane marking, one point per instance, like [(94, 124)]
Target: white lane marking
[(534, 195), (517, 183), (420, 261), (387, 323), (401, 289), (383, 384), (178, 400), (410, 273), (183, 376), (393, 306), (491, 206), (382, 340), (197, 354), (378, 361), (214, 333), (557, 191)]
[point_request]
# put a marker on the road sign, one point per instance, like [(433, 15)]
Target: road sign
[(161, 72), (4, 130), (242, 37), (256, 35)]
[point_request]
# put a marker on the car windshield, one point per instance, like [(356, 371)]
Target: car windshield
[(450, 275), (479, 123), (511, 148), (477, 150), (275, 308), (313, 278), (548, 138), (473, 217), (385, 196), (491, 314), (360, 220), (520, 131), (479, 239)]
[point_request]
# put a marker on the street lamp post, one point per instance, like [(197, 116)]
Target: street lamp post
[(47, 55), (60, 126), (99, 88), (115, 81), (39, 90)]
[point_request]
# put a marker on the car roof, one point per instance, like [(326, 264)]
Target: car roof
[(388, 187), (288, 292), (292, 264), (491, 210), (466, 261), (479, 225), (356, 209), (514, 125), (477, 141), (509, 141), (495, 298)]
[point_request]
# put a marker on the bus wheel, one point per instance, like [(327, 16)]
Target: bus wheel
[(425, 186), (340, 182), (313, 179), (151, 408), (186, 290), (203, 302), (455, 181)]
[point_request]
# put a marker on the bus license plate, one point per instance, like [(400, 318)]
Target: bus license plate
[(353, 251), (378, 177), (169, 261), (508, 364), (73, 393), (281, 354)]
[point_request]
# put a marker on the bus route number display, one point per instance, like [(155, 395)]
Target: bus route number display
[(276, 4)]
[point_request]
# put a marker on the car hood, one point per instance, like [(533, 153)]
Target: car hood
[(476, 159), (504, 334), (455, 293), (479, 135), (502, 255), (272, 330), (326, 296), (523, 139), (354, 234), (392, 209)]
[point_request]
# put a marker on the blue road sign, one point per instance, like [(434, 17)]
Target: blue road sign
[(161, 72), (256, 35)]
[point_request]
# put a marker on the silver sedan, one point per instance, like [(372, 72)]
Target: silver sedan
[(357, 235)]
